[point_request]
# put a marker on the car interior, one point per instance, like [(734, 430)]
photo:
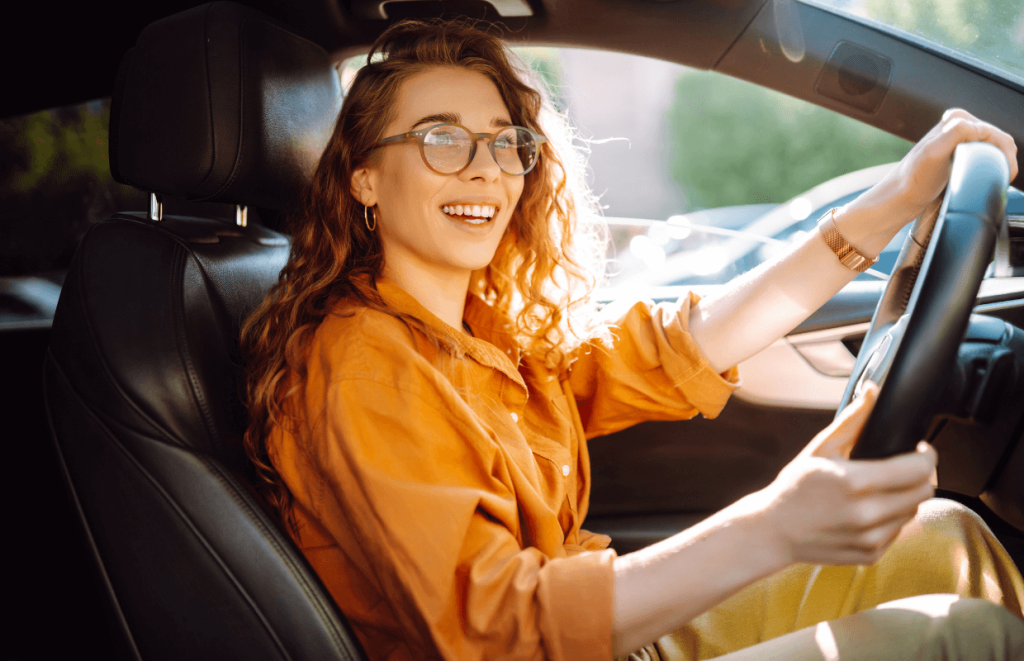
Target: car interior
[(143, 535)]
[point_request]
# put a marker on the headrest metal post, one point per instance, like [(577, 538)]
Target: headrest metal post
[(241, 215), (156, 207)]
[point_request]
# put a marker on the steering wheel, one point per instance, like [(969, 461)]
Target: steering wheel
[(911, 345)]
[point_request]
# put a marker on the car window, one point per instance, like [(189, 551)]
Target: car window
[(989, 33), (55, 182)]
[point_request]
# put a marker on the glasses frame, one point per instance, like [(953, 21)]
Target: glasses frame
[(420, 136)]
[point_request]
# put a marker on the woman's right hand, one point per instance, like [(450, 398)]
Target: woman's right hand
[(824, 508)]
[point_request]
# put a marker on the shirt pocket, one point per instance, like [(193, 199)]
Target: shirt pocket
[(555, 472)]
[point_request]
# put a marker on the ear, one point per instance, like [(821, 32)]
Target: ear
[(363, 186)]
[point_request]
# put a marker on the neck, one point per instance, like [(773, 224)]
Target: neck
[(443, 294)]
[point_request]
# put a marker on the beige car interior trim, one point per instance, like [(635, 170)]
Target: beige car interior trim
[(811, 370), (825, 350), (780, 376)]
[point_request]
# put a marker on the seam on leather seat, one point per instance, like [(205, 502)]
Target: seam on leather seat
[(177, 294), (178, 511), (98, 349), (82, 519), (311, 592), (182, 255), (241, 113), (209, 95)]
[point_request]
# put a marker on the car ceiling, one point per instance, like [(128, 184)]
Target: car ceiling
[(74, 58)]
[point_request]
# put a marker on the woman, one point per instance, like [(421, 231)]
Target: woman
[(424, 376)]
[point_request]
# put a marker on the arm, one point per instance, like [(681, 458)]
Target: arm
[(822, 509), (768, 302), (650, 370)]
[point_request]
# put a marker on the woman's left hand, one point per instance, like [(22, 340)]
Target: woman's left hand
[(924, 171)]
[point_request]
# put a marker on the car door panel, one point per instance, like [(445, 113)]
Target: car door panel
[(657, 478)]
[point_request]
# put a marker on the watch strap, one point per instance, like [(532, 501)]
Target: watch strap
[(848, 256)]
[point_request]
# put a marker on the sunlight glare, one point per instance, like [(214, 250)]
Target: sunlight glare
[(660, 234), (800, 208), (647, 251), (826, 642), (708, 261), (679, 227)]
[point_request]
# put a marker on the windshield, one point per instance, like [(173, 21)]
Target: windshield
[(989, 32)]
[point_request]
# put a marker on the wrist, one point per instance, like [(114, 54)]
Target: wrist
[(866, 226), (875, 216), (759, 517)]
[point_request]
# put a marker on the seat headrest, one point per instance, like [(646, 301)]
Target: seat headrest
[(220, 103)]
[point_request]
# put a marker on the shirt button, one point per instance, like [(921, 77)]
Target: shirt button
[(515, 418), (565, 470)]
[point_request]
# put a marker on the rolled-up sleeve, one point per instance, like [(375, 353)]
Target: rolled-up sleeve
[(651, 370), (426, 499)]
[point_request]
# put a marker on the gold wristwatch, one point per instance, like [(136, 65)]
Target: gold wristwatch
[(847, 254)]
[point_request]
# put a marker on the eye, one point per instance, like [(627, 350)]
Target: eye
[(512, 138), (447, 136)]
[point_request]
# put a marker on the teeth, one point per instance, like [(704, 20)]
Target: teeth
[(481, 211)]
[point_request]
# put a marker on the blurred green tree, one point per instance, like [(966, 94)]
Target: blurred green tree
[(990, 30), (54, 182), (733, 142)]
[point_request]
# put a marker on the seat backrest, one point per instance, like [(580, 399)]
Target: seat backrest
[(218, 103)]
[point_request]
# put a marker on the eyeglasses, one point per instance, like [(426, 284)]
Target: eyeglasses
[(450, 148)]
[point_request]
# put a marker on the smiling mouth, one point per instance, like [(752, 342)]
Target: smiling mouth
[(474, 214)]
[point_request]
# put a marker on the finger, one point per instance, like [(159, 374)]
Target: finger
[(967, 128), (898, 473), (925, 447), (956, 113), (880, 537), (1001, 140), (883, 509), (839, 437)]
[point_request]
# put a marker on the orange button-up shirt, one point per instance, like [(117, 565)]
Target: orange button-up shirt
[(439, 493)]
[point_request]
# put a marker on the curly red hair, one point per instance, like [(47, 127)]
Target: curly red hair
[(543, 272)]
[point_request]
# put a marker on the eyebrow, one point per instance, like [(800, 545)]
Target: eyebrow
[(454, 118)]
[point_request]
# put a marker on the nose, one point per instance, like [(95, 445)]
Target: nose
[(483, 166)]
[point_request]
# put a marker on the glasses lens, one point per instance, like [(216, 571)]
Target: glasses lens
[(447, 148), (515, 150)]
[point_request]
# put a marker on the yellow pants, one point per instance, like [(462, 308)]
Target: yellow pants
[(845, 613)]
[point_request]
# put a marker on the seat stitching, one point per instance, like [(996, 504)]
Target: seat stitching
[(176, 509)]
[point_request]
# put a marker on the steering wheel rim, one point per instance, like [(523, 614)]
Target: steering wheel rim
[(923, 314)]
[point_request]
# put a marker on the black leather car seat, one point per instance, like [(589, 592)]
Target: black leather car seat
[(218, 104)]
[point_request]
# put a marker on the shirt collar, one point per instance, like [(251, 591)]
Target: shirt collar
[(492, 343)]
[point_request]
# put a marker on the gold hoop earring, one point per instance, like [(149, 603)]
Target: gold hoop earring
[(366, 218)]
